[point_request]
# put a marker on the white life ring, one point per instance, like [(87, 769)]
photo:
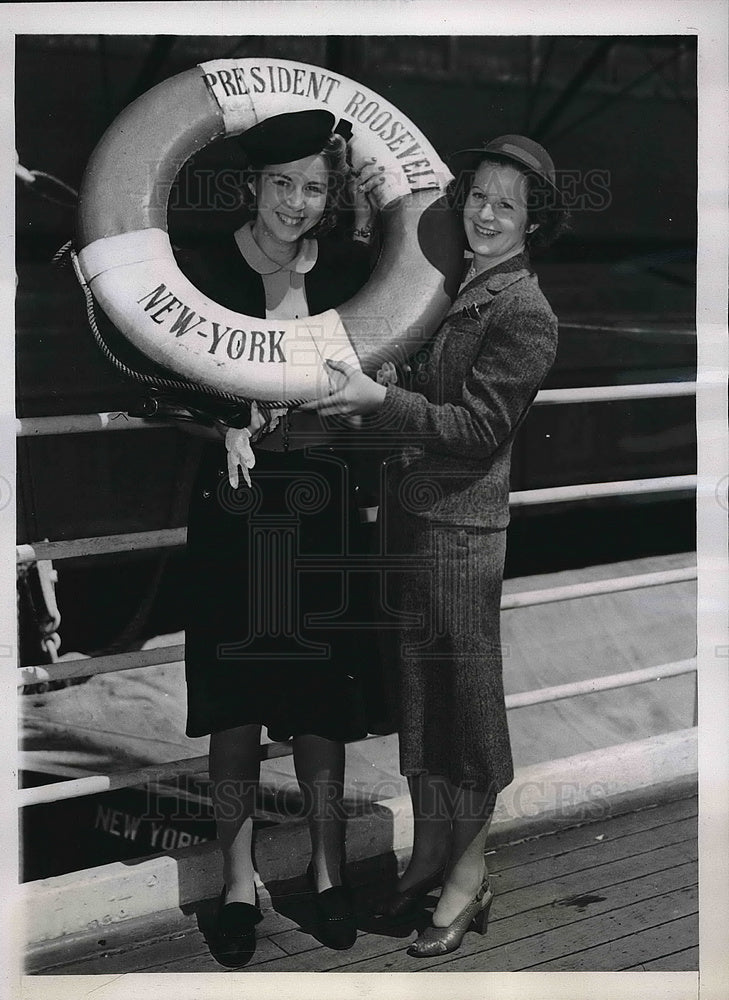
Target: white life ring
[(127, 261)]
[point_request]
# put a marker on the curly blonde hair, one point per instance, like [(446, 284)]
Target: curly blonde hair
[(334, 152)]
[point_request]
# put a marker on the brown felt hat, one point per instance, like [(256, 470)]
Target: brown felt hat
[(518, 149)]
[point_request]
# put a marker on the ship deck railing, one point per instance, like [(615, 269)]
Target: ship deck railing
[(682, 743)]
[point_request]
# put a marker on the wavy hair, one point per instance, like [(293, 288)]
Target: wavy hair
[(335, 157), (543, 208)]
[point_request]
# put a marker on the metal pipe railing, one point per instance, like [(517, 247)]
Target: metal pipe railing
[(137, 541), (91, 423), (88, 423), (596, 684), (95, 783), (76, 788), (172, 537), (594, 491), (616, 393), (595, 588), (42, 673), (655, 331), (92, 666), (92, 784)]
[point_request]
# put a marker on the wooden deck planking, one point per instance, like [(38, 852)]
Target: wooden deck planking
[(593, 856), (115, 939), (571, 888), (562, 948), (123, 936), (638, 944), (686, 960), (564, 901), (608, 827), (666, 867), (516, 913), (550, 930), (590, 843), (564, 912), (187, 953), (296, 941)]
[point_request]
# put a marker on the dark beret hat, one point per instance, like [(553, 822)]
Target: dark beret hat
[(290, 136)]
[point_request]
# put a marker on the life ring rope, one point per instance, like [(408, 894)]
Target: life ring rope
[(177, 386)]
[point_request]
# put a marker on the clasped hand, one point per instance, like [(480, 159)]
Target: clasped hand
[(352, 393)]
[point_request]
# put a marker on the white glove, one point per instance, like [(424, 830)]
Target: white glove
[(238, 442), (240, 453)]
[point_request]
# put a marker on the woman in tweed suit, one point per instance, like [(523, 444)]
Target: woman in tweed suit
[(447, 510)]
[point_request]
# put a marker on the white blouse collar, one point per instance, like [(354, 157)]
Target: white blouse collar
[(262, 263)]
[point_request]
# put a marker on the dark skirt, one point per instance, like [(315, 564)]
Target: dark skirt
[(278, 631), (449, 695)]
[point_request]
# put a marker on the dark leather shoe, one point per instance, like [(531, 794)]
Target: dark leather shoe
[(335, 915), (233, 940), (402, 904)]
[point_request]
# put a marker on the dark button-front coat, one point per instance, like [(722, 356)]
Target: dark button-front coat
[(259, 647), (221, 273)]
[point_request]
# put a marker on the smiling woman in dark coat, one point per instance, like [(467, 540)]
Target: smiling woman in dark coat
[(251, 658)]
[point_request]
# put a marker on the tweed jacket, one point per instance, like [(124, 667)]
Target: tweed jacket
[(479, 378)]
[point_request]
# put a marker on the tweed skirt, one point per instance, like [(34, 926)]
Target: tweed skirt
[(448, 687)]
